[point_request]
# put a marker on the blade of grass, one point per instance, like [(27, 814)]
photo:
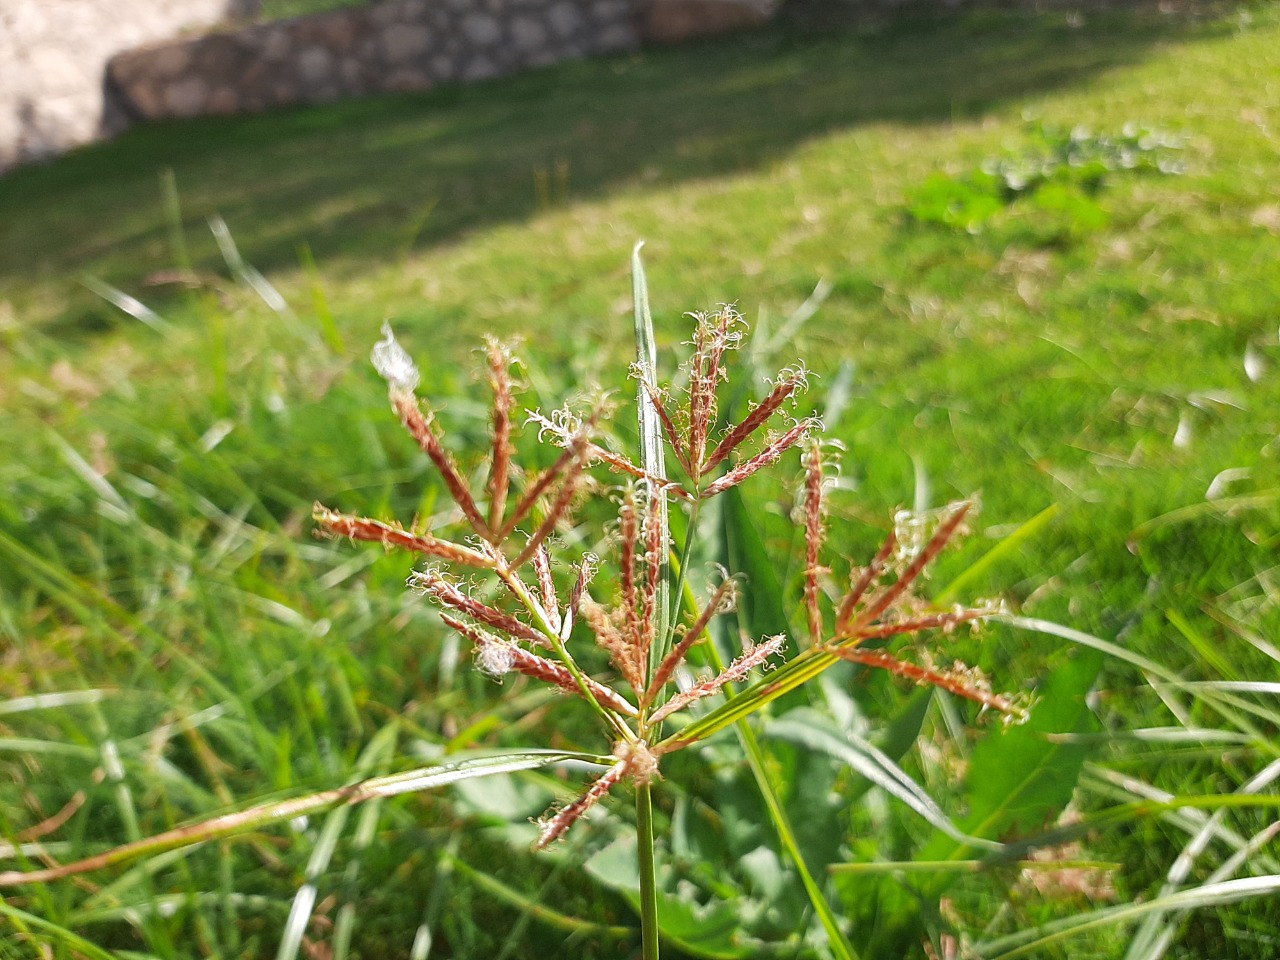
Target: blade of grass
[(1207, 895), (130, 305), (807, 729), (837, 941), (1006, 546), (52, 932), (653, 463), (378, 751), (173, 213), (537, 908), (231, 824), (1150, 940)]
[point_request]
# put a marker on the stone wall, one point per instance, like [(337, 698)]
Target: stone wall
[(75, 70), (395, 45), (52, 57)]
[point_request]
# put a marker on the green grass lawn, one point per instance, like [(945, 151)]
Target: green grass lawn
[(1120, 363)]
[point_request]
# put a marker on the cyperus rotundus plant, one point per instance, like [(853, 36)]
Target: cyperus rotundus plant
[(642, 613), (500, 585)]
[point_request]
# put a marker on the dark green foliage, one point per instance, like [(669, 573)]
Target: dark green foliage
[(1054, 182)]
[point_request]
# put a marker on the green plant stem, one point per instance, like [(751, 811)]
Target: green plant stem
[(521, 592), (648, 876), (840, 945)]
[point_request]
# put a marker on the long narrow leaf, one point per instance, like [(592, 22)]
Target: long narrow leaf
[(1027, 942), (378, 749), (412, 781), (1150, 941), (809, 730), (799, 670), (52, 931), (1005, 546)]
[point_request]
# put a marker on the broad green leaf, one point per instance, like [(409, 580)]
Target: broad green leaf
[(1019, 777), (904, 729), (761, 605)]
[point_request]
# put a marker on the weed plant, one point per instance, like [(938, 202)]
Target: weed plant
[(641, 624), (524, 612), (160, 602)]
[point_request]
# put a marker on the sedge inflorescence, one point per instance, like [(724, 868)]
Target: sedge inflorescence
[(532, 624)]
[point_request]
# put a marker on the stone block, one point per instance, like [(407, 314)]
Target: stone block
[(527, 34), (610, 11), (223, 101), (565, 18), (481, 29), (408, 80), (171, 60), (674, 21), (442, 68), (387, 45), (614, 38), (480, 67), (315, 65), (186, 98), (405, 42), (53, 58)]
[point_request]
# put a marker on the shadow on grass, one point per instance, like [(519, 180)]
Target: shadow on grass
[(362, 182)]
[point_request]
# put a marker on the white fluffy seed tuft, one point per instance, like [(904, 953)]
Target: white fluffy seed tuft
[(393, 364)]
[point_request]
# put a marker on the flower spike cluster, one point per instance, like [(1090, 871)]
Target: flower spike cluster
[(872, 610), (688, 430), (529, 626)]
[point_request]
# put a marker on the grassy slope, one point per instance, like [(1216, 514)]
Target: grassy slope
[(753, 167)]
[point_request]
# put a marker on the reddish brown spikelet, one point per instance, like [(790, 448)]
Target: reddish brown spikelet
[(945, 621), (419, 426), (499, 468), (586, 570), (769, 455), (813, 534), (668, 425), (630, 535), (623, 465), (553, 828), (517, 658), (786, 386), (701, 391), (431, 583), (654, 553), (958, 681), (563, 428), (546, 585), (537, 489), (622, 650), (720, 602), (393, 535), (558, 509), (941, 537), (733, 673), (549, 671), (869, 575), (714, 336)]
